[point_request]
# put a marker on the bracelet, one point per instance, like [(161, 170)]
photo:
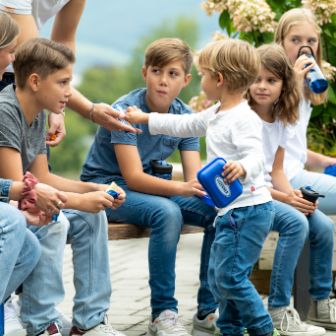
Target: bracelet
[(91, 112), (28, 194)]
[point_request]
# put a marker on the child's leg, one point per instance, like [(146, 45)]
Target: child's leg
[(324, 184), (239, 238), (292, 226), (19, 250), (164, 217), (89, 243), (321, 236), (43, 289), (196, 212)]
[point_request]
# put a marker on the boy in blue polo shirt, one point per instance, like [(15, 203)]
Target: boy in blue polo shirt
[(136, 163)]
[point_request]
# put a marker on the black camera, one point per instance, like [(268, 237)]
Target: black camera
[(162, 169)]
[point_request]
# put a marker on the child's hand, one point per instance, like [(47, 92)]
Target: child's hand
[(296, 200), (191, 188), (49, 199), (232, 171), (95, 201), (121, 197), (135, 116), (303, 65), (56, 131)]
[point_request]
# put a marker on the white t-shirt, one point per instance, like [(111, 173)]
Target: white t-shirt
[(296, 147), (42, 10), (234, 134), (275, 135)]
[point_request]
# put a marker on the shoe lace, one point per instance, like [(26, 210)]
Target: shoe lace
[(290, 315), (172, 323), (332, 310)]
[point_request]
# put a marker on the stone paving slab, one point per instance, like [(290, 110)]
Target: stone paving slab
[(130, 309)]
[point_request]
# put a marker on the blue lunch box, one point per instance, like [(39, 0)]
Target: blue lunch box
[(220, 192)]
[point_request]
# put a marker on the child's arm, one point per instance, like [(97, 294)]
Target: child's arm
[(131, 169), (191, 163), (182, 126), (319, 160), (283, 191)]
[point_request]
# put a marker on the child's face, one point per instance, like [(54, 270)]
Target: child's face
[(300, 35), (54, 91), (267, 89), (7, 56), (209, 84), (164, 84)]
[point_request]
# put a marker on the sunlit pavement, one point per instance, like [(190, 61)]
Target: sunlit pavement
[(130, 308)]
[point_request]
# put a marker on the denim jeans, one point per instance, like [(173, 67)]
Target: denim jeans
[(165, 216), (43, 289), (240, 234), (324, 184), (19, 250), (293, 227)]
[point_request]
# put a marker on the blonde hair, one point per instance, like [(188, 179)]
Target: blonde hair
[(236, 60), (41, 56), (274, 59), (293, 18), (9, 29), (166, 50)]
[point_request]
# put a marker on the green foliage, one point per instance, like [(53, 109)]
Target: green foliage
[(322, 127)]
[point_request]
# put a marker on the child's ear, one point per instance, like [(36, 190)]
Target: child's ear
[(187, 79), (220, 79), (144, 72), (34, 81)]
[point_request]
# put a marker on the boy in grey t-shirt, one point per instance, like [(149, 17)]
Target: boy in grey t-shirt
[(43, 71)]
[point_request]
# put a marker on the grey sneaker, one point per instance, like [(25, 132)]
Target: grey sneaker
[(323, 313), (288, 323), (205, 327), (167, 324)]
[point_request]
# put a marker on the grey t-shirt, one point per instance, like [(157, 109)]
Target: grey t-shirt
[(16, 133)]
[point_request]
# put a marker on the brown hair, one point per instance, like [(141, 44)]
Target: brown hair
[(9, 29), (236, 60), (166, 50), (41, 56), (295, 17), (274, 59)]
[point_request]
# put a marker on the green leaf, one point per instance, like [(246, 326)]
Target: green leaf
[(225, 21)]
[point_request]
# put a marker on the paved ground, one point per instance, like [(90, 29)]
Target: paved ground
[(130, 298)]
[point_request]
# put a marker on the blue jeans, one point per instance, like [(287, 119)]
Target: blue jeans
[(240, 235), (293, 227), (19, 250), (324, 184), (43, 289), (165, 216)]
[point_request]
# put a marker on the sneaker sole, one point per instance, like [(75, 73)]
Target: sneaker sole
[(326, 325), (16, 333), (305, 333)]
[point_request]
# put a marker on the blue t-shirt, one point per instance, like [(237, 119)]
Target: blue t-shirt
[(101, 162)]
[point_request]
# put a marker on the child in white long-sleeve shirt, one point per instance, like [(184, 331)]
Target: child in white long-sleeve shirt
[(233, 131)]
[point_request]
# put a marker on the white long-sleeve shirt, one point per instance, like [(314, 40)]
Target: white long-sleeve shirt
[(233, 134)]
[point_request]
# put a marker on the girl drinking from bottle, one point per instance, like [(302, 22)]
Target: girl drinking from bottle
[(275, 98), (298, 28)]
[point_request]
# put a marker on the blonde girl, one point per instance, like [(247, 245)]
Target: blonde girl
[(297, 28)]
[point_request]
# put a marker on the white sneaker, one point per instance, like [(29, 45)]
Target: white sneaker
[(205, 327), (323, 313), (166, 324), (288, 323), (13, 326), (100, 330)]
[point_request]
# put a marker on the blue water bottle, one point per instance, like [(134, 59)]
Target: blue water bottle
[(330, 170), (314, 78), (2, 320)]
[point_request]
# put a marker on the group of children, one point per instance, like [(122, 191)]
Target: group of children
[(258, 125)]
